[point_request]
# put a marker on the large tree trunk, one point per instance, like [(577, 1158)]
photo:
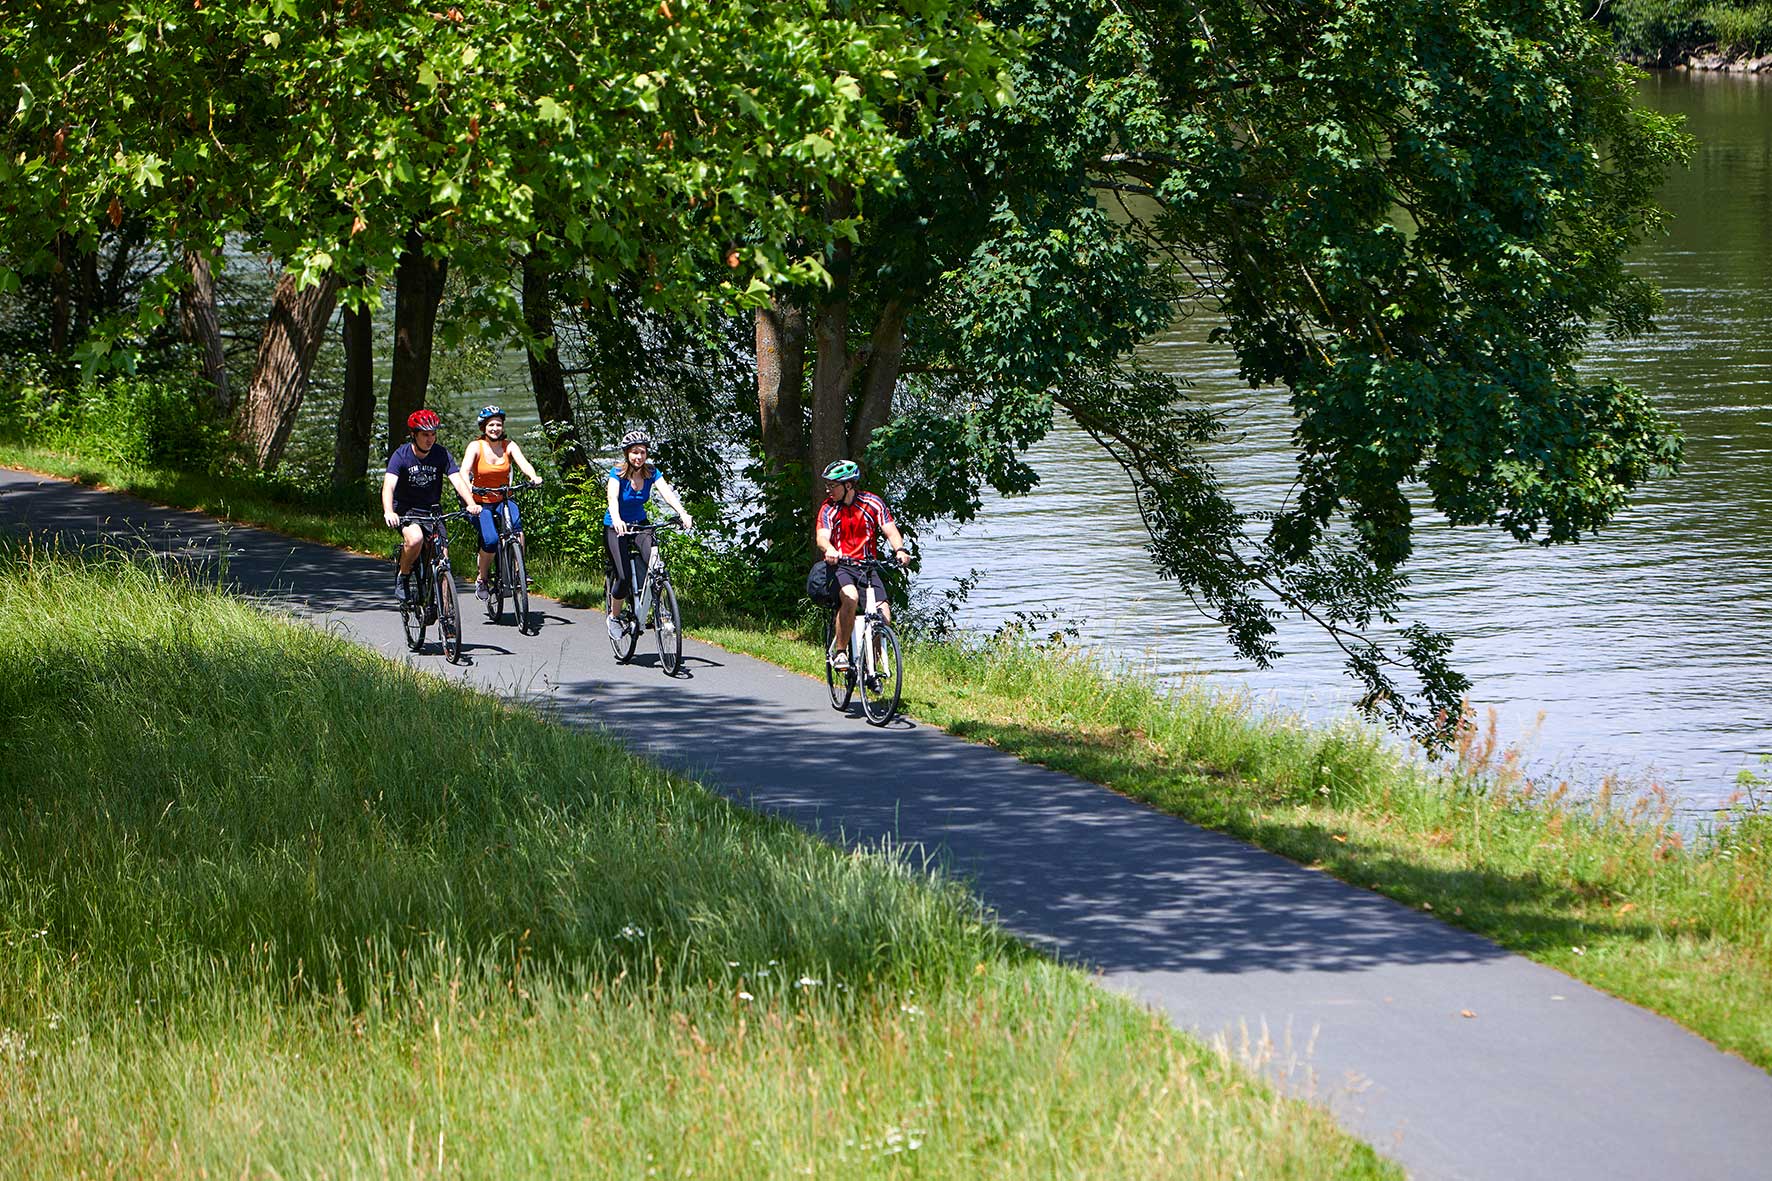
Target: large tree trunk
[(202, 327), (833, 368), (285, 358), (781, 382), (552, 401), (884, 359), (61, 299), (418, 290), (356, 414)]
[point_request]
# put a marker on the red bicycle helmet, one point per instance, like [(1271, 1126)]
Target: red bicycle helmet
[(423, 420)]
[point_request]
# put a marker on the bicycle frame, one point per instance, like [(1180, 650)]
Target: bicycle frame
[(645, 589)]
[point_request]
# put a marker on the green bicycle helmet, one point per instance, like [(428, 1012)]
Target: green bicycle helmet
[(843, 469)]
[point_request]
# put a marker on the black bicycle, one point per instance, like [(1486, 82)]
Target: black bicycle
[(653, 604), (873, 663), (509, 575), (432, 598)]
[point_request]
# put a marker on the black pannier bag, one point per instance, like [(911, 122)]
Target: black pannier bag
[(821, 584)]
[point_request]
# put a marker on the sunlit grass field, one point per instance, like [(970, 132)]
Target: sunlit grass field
[(273, 906)]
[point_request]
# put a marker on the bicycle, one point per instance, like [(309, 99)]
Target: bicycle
[(874, 663), (509, 574), (432, 598), (653, 604)]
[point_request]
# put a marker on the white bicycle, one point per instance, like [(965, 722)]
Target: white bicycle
[(874, 663)]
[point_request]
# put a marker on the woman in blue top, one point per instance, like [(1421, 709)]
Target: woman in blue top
[(631, 483)]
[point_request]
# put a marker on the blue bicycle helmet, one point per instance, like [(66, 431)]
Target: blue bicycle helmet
[(487, 412)]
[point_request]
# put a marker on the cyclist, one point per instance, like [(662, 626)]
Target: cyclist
[(850, 523), (487, 463), (416, 472), (631, 483)]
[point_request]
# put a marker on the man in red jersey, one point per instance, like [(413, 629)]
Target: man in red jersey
[(850, 523)]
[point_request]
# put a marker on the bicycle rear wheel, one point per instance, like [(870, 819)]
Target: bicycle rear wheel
[(667, 627), (448, 616), (623, 646), (495, 586), (516, 581), (840, 681), (880, 684)]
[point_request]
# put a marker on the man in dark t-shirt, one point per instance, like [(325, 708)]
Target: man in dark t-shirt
[(414, 483)]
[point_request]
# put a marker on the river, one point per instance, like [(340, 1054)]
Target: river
[(1646, 651)]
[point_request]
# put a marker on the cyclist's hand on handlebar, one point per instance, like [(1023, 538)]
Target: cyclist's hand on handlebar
[(904, 557), (393, 519), (831, 557), (474, 508), (684, 523)]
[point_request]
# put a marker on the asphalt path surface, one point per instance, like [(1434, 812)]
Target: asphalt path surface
[(1345, 997)]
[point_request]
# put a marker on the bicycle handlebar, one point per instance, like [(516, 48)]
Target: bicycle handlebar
[(630, 528), (869, 564), (508, 489), (429, 518)]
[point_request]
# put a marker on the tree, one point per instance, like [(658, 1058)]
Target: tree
[(1408, 217), (621, 139)]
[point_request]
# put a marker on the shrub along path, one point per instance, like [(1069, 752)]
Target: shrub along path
[(1449, 1054)]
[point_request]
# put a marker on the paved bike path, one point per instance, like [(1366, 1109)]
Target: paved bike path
[(1353, 1000)]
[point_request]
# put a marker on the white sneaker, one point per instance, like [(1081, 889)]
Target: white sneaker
[(616, 630)]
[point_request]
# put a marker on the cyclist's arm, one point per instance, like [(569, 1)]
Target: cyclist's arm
[(890, 528), (464, 490), (614, 508), (522, 462), (823, 539), (664, 489), (388, 480)]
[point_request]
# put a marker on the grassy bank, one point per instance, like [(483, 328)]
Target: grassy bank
[(271, 905), (1607, 889)]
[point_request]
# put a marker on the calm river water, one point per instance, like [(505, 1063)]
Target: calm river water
[(1647, 650)]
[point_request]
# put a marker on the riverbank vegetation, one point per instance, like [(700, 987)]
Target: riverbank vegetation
[(1670, 32), (1595, 879), (271, 904)]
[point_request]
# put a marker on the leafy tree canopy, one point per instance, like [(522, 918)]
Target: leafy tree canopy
[(638, 136)]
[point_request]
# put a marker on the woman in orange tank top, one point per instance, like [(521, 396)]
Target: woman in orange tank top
[(488, 465)]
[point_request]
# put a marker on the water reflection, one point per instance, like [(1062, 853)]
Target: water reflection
[(1645, 649)]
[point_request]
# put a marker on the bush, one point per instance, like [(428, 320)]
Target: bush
[(160, 421), (1661, 31), (1745, 30)]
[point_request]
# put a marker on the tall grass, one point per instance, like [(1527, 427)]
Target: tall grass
[(270, 905), (1603, 884)]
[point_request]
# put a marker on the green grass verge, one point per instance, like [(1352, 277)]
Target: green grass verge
[(272, 905), (1612, 893), (1606, 889)]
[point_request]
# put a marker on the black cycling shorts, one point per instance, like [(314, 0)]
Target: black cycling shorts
[(861, 580)]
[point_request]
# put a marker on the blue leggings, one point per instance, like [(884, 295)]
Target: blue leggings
[(489, 527)]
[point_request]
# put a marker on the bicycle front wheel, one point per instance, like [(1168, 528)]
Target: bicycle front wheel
[(621, 645), (516, 580), (415, 611), (667, 626), (448, 615), (840, 681), (880, 682)]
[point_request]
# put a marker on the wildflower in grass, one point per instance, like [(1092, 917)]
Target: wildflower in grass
[(913, 1010), (632, 933), (807, 982), (745, 996)]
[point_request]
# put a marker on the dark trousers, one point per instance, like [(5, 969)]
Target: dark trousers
[(617, 560)]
